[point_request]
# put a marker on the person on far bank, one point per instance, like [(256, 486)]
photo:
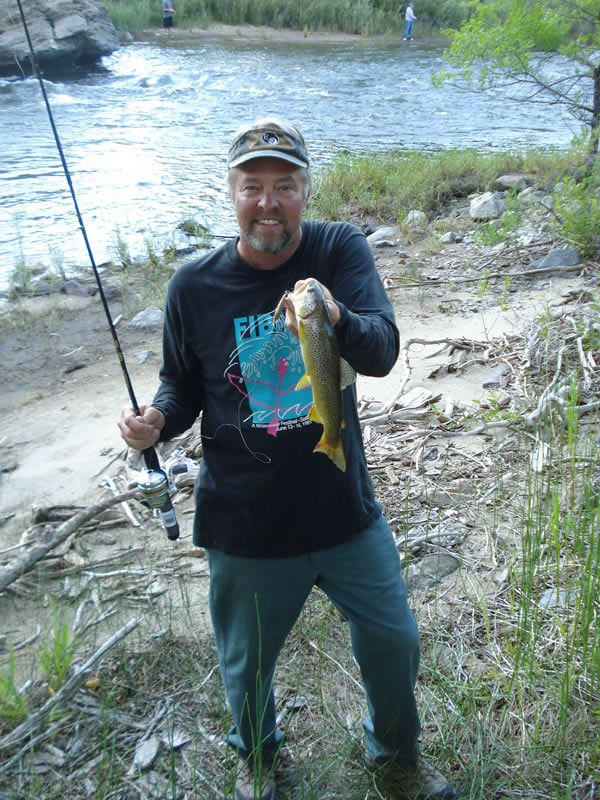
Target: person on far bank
[(410, 19), (168, 12), (226, 356)]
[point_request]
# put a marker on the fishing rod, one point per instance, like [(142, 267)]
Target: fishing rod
[(155, 486)]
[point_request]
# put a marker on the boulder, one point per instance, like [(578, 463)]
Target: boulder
[(64, 33), (416, 219), (386, 232), (150, 317), (558, 257), (487, 206), (513, 181)]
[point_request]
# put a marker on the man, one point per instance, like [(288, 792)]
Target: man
[(167, 11), (410, 19), (225, 356)]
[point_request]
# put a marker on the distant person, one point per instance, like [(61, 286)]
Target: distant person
[(168, 12), (408, 25)]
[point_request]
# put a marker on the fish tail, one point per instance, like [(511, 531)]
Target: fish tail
[(334, 451)]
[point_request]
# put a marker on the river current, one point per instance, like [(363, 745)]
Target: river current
[(146, 134)]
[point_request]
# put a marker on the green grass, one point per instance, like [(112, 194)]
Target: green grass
[(387, 186), (360, 17)]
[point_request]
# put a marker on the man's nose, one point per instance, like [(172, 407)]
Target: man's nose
[(267, 199)]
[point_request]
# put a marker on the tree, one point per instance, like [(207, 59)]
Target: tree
[(548, 51)]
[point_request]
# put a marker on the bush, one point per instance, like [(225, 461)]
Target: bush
[(577, 206)]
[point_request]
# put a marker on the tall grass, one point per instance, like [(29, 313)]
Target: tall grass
[(360, 16), (388, 185)]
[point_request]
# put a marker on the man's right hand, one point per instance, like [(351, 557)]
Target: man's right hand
[(143, 430)]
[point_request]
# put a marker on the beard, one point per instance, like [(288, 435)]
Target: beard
[(268, 241)]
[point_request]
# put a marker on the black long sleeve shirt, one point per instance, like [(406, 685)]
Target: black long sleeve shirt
[(261, 491)]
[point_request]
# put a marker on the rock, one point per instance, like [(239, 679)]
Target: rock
[(554, 598), (455, 492), (497, 378), (416, 219), (487, 206), (558, 257), (516, 182), (64, 33), (387, 232), (145, 753), (451, 237), (150, 317), (430, 570), (144, 356), (77, 288)]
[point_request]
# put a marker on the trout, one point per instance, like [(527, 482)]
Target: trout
[(326, 372)]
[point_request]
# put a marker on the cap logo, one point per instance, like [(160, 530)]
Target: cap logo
[(270, 138)]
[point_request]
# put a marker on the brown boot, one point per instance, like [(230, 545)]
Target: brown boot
[(414, 780), (255, 780)]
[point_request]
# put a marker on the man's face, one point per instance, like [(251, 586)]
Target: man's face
[(268, 198)]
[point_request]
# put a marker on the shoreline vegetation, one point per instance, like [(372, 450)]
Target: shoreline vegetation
[(364, 17)]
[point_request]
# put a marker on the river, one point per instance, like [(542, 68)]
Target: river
[(146, 133)]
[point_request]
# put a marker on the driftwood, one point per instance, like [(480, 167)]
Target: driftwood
[(15, 569), (492, 275), (34, 720)]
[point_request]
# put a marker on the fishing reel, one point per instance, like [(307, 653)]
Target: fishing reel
[(157, 487)]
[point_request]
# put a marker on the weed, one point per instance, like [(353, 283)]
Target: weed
[(483, 285), (503, 300), (57, 653), (13, 705), (121, 248), (577, 209)]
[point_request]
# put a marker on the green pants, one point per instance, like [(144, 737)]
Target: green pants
[(254, 603)]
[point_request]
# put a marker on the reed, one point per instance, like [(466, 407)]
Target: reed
[(388, 185), (361, 16)]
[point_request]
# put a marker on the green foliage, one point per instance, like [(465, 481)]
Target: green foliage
[(120, 248), (19, 280), (501, 43), (577, 205), (388, 185), (505, 228), (134, 16), (57, 652), (12, 704), (358, 16)]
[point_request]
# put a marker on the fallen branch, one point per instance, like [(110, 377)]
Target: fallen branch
[(34, 720), (498, 275), (17, 568)]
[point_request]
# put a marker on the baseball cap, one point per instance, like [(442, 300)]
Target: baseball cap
[(268, 137)]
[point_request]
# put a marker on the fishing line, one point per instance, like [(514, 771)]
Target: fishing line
[(156, 487)]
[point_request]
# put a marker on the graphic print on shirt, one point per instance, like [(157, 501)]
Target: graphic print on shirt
[(265, 367)]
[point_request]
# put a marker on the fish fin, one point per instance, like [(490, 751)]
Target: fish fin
[(314, 415), (303, 382), (334, 452), (347, 374)]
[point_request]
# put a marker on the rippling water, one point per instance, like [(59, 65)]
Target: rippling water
[(146, 134)]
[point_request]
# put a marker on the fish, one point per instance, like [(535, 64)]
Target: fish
[(327, 373)]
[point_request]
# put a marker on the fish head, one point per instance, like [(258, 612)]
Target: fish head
[(309, 300)]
